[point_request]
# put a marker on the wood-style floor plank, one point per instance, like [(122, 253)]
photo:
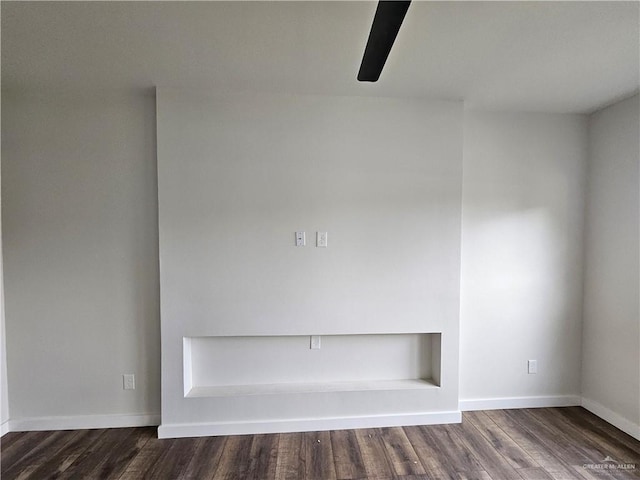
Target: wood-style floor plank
[(234, 460), (407, 477), (55, 465), (319, 463), (375, 457), (453, 450), (562, 442), (435, 465), (39, 454), (491, 460), (479, 475), (173, 463), (502, 442), (591, 444), (347, 457), (19, 448), (589, 421), (26, 473), (528, 444), (403, 458), (592, 439), (264, 457), (10, 438), (149, 454), (290, 464), (534, 474), (562, 445), (535, 448), (108, 457), (205, 459)]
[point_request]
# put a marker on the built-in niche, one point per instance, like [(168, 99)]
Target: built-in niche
[(255, 365)]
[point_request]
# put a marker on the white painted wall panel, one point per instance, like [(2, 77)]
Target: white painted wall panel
[(611, 352), (239, 174), (79, 222), (521, 288)]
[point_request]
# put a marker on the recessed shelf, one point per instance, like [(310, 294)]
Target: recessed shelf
[(227, 366), (293, 388)]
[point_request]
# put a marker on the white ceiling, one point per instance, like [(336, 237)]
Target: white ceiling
[(531, 56)]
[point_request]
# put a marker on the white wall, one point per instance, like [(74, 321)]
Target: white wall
[(80, 238), (239, 174), (79, 201), (521, 257), (611, 337)]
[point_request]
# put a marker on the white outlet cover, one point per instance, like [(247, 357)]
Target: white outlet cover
[(532, 366), (321, 239), (129, 381)]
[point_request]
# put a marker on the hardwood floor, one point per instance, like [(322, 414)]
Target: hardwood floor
[(529, 444)]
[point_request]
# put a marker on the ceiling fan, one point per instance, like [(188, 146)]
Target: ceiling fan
[(385, 27)]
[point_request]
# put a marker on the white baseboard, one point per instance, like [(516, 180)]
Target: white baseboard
[(4, 428), (503, 403), (306, 425), (177, 430), (612, 417), (83, 422)]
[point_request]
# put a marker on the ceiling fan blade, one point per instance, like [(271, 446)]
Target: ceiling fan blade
[(386, 23)]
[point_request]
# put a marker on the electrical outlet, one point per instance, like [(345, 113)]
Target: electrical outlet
[(315, 342), (321, 239), (300, 239), (532, 366), (129, 381)]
